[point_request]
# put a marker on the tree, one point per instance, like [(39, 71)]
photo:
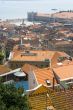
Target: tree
[(12, 98), (2, 105), (1, 57)]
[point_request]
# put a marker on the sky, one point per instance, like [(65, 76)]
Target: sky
[(19, 8)]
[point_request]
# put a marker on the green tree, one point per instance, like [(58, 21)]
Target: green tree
[(1, 57), (2, 105), (12, 98)]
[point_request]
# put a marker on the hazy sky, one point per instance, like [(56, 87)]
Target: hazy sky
[(19, 8)]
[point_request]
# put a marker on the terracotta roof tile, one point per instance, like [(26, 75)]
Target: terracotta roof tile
[(27, 68), (4, 69), (44, 74), (64, 71), (65, 15), (40, 55), (41, 74)]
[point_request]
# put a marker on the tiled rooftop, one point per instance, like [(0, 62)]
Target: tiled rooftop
[(42, 75), (4, 69), (38, 55), (43, 98), (64, 15), (64, 71), (27, 68)]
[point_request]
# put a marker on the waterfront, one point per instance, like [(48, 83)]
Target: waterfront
[(19, 9)]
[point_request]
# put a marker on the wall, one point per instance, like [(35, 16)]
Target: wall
[(32, 80), (18, 64)]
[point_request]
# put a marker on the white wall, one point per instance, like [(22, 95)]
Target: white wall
[(11, 55), (32, 80)]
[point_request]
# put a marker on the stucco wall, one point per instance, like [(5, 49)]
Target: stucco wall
[(32, 80)]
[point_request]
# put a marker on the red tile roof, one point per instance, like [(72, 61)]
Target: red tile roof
[(64, 71), (4, 69)]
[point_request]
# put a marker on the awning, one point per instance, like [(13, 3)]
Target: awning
[(20, 74)]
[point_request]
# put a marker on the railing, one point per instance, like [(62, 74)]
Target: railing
[(9, 82)]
